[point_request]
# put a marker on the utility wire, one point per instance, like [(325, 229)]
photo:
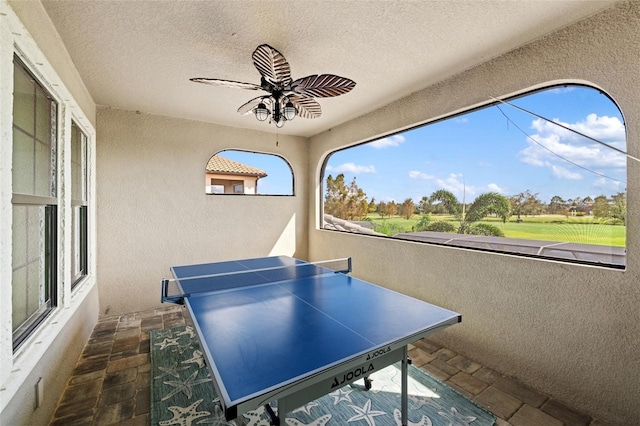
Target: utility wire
[(509, 120), (564, 127)]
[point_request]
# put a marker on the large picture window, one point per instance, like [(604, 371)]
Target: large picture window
[(79, 205), (541, 175), (34, 203)]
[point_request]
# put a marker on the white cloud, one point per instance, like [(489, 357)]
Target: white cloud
[(576, 149), (351, 168), (391, 141), (564, 173), (414, 174), (492, 187), (603, 128), (607, 186), (455, 184)]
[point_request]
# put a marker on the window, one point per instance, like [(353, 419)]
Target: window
[(215, 189), (235, 172), (34, 203), (79, 205), (541, 175)]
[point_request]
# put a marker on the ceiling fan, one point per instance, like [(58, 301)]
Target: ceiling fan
[(287, 98)]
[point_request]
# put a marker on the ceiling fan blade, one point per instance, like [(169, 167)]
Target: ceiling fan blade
[(307, 107), (248, 107), (226, 83), (272, 65), (322, 86)]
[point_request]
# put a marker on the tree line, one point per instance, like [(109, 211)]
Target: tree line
[(350, 202)]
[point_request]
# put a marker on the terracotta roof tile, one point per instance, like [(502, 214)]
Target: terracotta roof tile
[(218, 164)]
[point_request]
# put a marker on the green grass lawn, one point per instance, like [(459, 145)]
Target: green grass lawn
[(583, 230)]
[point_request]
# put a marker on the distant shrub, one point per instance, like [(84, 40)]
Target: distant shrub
[(485, 229), (423, 223), (441, 226)]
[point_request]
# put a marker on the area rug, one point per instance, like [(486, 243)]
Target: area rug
[(182, 393)]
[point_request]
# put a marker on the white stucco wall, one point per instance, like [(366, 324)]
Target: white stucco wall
[(50, 353), (568, 330), (153, 212), (45, 35)]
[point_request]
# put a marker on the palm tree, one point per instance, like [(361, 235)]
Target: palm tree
[(484, 205)]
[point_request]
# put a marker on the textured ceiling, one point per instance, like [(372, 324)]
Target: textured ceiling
[(139, 55)]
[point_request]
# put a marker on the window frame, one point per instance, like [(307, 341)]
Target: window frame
[(324, 175), (209, 183), (49, 281), (79, 253)]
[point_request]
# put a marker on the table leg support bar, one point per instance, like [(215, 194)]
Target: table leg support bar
[(274, 419), (405, 387)]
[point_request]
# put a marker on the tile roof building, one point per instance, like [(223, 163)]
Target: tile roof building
[(221, 165), (224, 176)]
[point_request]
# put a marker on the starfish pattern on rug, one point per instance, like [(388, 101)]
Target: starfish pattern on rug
[(181, 348), (217, 418), (306, 408), (197, 358), (170, 371), (188, 331), (321, 421), (173, 374), (184, 416), (456, 418), (168, 342), (341, 395), (164, 333), (365, 413), (184, 386), (418, 402), (397, 416), (254, 416)]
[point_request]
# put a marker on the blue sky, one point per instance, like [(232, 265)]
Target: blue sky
[(484, 151), (278, 180)]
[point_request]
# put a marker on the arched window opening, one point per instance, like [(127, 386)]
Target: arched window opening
[(541, 175), (234, 172)]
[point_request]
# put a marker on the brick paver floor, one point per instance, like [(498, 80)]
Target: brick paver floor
[(111, 384)]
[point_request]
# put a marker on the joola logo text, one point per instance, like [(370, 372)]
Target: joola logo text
[(352, 375), (379, 352)]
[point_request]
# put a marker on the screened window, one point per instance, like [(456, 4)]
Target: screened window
[(34, 203), (541, 175), (234, 172), (79, 205)]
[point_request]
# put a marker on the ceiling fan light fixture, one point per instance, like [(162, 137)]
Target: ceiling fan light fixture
[(289, 111), (275, 79), (261, 111), (278, 120)]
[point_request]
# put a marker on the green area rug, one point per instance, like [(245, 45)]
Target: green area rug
[(182, 393)]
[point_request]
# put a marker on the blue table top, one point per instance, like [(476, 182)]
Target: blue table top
[(258, 338)]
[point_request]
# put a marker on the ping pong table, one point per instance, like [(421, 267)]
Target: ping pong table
[(281, 329)]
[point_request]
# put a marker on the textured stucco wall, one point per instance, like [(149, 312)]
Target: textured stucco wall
[(54, 368), (35, 18), (570, 331), (51, 352), (153, 212)]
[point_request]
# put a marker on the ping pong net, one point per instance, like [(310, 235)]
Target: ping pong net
[(176, 289)]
